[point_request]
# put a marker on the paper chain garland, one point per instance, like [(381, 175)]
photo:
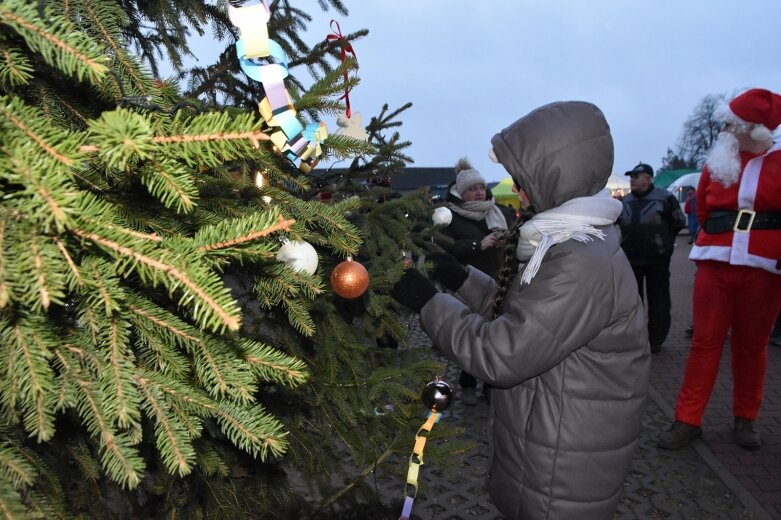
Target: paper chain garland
[(416, 461), (277, 110)]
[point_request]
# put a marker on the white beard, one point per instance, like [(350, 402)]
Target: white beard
[(723, 160)]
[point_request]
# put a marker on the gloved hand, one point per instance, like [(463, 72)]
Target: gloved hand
[(413, 290), (447, 270)]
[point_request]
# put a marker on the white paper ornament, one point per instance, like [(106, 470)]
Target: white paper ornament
[(298, 255), (352, 126), (442, 216)]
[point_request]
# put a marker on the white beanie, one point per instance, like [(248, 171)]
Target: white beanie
[(468, 178)]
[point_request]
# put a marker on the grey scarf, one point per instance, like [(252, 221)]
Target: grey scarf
[(478, 210)]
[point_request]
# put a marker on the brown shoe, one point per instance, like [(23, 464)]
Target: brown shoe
[(746, 434), (678, 435)]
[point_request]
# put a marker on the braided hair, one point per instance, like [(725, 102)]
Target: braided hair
[(510, 265)]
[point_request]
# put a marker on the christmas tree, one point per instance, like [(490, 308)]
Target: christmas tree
[(157, 358)]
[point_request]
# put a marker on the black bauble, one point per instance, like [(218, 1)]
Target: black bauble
[(437, 395)]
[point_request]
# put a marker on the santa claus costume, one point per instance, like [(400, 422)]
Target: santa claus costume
[(737, 287)]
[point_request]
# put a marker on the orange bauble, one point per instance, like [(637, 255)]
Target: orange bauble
[(349, 279)]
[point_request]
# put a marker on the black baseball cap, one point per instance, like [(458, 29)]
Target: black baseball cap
[(641, 168)]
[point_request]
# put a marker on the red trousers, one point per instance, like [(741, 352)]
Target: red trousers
[(745, 300)]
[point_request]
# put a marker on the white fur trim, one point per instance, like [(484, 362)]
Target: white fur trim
[(761, 133), (725, 114), (492, 155)]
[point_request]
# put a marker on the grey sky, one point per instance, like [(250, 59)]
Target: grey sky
[(472, 68)]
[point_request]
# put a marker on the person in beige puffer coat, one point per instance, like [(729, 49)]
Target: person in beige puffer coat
[(562, 338)]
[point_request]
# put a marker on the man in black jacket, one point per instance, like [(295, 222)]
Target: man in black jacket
[(649, 223)]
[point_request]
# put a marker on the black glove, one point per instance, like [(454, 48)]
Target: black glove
[(448, 270), (413, 290)]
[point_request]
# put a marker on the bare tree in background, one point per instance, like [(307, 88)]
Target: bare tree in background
[(699, 133)]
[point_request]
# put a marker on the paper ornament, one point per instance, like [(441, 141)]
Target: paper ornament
[(298, 255), (352, 126), (349, 279), (442, 216)]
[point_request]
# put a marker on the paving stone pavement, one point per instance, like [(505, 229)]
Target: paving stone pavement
[(710, 479)]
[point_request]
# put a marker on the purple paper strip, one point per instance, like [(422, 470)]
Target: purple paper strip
[(407, 509)]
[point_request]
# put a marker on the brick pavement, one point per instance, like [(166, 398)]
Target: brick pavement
[(710, 479)]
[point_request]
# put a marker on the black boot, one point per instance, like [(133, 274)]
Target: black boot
[(678, 435), (746, 434)]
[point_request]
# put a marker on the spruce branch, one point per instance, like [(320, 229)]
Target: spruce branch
[(172, 438), (30, 344), (14, 467), (118, 458), (176, 331), (121, 396), (48, 196), (31, 124), (241, 425), (102, 292), (356, 480), (248, 427), (103, 16), (11, 505), (170, 183), (218, 310), (272, 365), (222, 375), (45, 274), (55, 40), (230, 228), (15, 68), (121, 137), (5, 289), (74, 277)]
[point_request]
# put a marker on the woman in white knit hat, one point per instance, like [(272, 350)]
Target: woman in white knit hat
[(478, 229)]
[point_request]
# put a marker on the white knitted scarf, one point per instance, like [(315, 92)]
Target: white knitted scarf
[(574, 220)]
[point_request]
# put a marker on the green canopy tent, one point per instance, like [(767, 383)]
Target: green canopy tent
[(664, 178), (504, 194)]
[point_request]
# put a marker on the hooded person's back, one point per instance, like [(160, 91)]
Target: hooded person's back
[(568, 356)]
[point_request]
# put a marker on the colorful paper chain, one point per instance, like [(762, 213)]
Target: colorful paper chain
[(277, 110), (415, 462)]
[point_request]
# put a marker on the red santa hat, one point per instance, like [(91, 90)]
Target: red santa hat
[(757, 107)]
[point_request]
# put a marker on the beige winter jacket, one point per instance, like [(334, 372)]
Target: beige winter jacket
[(569, 356)]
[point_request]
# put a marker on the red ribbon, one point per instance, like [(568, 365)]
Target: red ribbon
[(346, 47)]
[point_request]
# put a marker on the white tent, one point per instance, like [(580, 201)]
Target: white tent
[(618, 181)]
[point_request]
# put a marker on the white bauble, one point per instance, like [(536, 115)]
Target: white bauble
[(442, 216), (298, 255)]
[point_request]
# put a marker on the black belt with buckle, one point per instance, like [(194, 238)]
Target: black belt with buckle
[(741, 221)]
